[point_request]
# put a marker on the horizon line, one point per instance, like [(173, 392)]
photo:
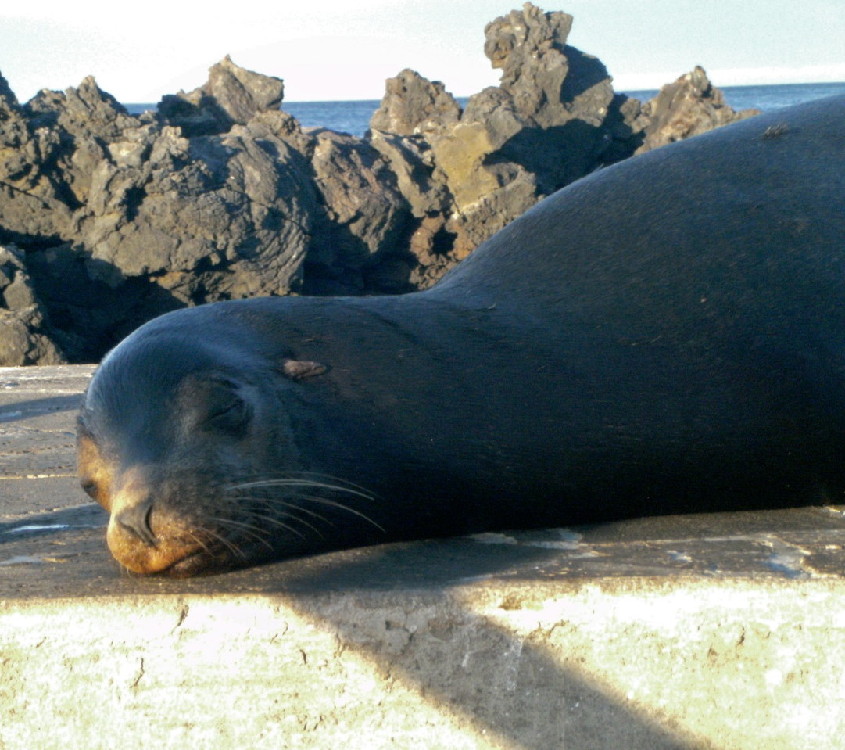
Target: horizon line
[(619, 90)]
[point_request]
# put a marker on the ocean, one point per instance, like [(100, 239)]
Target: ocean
[(353, 117)]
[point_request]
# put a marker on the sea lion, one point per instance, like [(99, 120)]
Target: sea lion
[(663, 336)]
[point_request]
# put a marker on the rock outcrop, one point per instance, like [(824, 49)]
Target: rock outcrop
[(689, 106), (134, 204), (33, 191), (544, 119), (363, 215), (413, 105), (543, 127), (109, 219), (25, 335), (231, 96), (207, 218), (553, 119)]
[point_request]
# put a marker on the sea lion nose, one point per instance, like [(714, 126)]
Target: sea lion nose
[(136, 520)]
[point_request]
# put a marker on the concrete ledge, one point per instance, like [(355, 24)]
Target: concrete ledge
[(717, 631)]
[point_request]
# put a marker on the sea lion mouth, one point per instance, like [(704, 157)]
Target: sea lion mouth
[(208, 561), (203, 560), (168, 562), (194, 564)]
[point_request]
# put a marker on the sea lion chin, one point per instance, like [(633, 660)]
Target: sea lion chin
[(664, 336)]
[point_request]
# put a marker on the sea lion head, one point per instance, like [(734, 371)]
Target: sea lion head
[(190, 448)]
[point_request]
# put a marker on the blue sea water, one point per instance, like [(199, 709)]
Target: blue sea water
[(353, 117)]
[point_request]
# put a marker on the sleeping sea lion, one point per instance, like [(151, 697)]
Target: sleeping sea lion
[(666, 335)]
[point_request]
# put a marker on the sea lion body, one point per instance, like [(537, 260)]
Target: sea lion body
[(663, 336)]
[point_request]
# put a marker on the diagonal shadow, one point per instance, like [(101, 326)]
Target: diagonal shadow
[(403, 607), (506, 685), (21, 410)]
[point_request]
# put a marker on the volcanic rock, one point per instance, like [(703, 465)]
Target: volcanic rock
[(31, 206), (206, 218), (689, 106), (110, 218), (413, 105), (543, 127), (364, 215), (544, 120), (412, 162), (78, 125), (232, 95), (25, 336)]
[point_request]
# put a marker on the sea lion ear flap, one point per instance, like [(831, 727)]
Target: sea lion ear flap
[(297, 369)]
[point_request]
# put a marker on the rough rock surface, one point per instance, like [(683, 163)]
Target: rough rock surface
[(82, 121), (413, 105), (363, 213), (232, 95), (32, 190), (548, 111), (542, 128), (207, 218), (25, 336), (116, 218), (689, 106), (412, 162)]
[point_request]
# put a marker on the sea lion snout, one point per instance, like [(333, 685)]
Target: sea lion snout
[(142, 535), (130, 534), (136, 520)]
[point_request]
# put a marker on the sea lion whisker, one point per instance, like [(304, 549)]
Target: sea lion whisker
[(219, 538), (276, 522), (309, 498), (323, 478), (301, 484), (290, 508), (271, 503), (198, 540), (297, 508), (247, 529), (335, 504), (305, 485)]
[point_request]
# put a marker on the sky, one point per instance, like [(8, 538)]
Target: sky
[(338, 49)]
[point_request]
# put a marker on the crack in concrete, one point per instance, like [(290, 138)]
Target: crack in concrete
[(134, 685)]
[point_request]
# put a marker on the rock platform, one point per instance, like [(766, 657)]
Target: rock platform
[(711, 631)]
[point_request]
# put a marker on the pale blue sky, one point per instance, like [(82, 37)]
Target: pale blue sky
[(339, 49)]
